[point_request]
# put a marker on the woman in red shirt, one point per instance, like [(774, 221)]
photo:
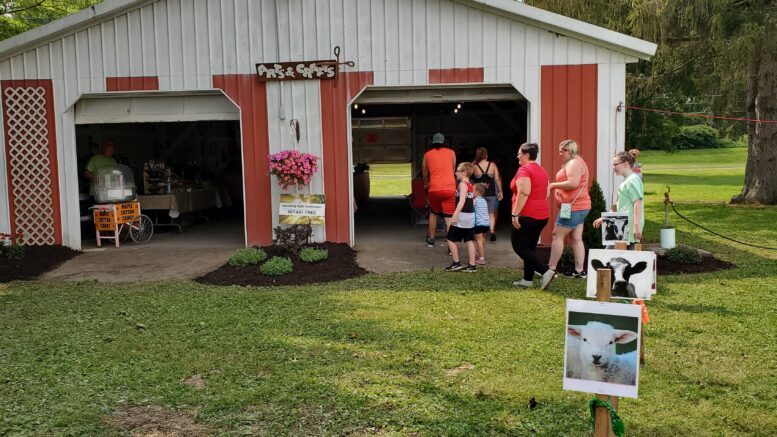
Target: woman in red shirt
[(530, 214)]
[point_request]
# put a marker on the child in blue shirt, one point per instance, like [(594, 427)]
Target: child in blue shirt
[(482, 223)]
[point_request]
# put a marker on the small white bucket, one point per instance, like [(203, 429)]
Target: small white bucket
[(667, 238)]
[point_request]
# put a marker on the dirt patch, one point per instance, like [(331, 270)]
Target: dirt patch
[(37, 260), (456, 370), (341, 264), (195, 381), (155, 421), (665, 266)]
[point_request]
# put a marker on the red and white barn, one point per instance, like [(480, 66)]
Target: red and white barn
[(183, 60)]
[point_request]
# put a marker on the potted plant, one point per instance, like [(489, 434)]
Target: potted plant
[(667, 232), (292, 168), (361, 183)]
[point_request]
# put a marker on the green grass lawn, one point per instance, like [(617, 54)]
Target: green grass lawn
[(390, 179), (378, 355)]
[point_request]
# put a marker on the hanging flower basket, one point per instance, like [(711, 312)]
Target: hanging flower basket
[(293, 168)]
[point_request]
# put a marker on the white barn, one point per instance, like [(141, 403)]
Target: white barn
[(170, 61)]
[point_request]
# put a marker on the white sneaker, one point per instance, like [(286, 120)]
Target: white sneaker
[(547, 278), (523, 283)]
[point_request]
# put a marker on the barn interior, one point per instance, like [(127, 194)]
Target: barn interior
[(395, 126), (197, 164)]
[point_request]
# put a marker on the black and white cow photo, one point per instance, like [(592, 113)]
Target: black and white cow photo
[(615, 228), (633, 273)]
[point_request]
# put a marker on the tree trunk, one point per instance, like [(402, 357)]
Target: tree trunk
[(761, 171)]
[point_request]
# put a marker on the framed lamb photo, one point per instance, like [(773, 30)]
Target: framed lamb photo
[(633, 272), (601, 353), (615, 228)]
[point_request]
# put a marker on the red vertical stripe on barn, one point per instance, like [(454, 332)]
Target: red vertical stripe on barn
[(251, 96), (456, 75), (31, 167), (335, 97), (140, 83), (569, 111)]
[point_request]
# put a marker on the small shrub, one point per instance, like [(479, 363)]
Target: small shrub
[(697, 137), (247, 257), (11, 246), (726, 143), (311, 254), (293, 237), (684, 255), (276, 266), (592, 238), (567, 257)]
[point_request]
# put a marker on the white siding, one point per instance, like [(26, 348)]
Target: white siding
[(185, 42)]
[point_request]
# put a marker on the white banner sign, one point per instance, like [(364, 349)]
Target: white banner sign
[(302, 208)]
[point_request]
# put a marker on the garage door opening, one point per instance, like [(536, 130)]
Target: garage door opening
[(188, 176), (392, 129)]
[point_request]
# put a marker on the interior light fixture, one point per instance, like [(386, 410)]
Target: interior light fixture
[(458, 106), (364, 111), (355, 106), (456, 111)]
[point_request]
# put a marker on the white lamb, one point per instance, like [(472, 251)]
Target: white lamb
[(591, 354)]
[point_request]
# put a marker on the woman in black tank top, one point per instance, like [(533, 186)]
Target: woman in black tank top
[(486, 172)]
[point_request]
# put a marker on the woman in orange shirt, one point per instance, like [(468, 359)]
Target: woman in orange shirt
[(571, 186)]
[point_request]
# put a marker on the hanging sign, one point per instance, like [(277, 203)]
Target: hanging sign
[(302, 209), (302, 70)]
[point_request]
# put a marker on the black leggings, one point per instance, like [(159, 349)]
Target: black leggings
[(525, 245)]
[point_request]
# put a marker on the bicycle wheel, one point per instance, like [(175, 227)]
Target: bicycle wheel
[(142, 229)]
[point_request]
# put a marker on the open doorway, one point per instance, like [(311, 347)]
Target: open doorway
[(188, 176), (392, 129)]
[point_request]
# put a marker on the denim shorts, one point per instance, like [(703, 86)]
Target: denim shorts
[(577, 218)]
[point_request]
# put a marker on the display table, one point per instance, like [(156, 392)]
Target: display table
[(181, 202)]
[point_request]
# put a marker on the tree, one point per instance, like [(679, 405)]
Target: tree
[(17, 16), (714, 52)]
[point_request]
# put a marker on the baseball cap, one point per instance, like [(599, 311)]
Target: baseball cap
[(438, 138)]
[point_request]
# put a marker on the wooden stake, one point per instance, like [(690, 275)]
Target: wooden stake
[(602, 421), (621, 246)]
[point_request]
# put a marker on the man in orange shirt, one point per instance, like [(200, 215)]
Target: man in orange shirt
[(439, 165)]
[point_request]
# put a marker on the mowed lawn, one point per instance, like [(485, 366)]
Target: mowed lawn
[(390, 179), (424, 353)]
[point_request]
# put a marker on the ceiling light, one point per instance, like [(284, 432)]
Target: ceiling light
[(356, 106), (364, 111)]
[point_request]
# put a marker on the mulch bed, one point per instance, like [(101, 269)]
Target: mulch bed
[(341, 264), (37, 260), (708, 264), (665, 266)]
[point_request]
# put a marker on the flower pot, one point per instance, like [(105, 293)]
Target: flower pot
[(361, 188), (667, 238)]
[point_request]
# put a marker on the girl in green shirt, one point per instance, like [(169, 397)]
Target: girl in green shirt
[(631, 195)]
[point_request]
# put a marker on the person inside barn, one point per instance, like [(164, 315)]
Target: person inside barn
[(438, 171), (99, 160)]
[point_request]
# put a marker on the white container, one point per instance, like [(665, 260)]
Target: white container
[(667, 238)]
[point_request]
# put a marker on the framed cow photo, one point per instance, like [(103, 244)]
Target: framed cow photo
[(615, 228), (633, 272)]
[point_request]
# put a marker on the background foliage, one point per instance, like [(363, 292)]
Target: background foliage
[(17, 16)]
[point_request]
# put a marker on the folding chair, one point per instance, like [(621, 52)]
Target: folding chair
[(419, 204)]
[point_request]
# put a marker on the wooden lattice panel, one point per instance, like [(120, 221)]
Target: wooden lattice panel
[(32, 177)]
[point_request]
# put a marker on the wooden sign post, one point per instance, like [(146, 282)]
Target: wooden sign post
[(602, 421)]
